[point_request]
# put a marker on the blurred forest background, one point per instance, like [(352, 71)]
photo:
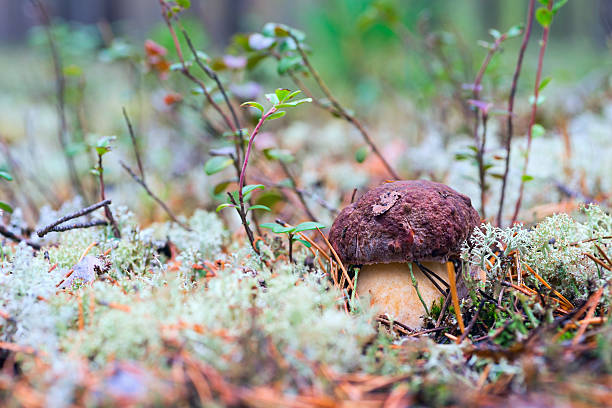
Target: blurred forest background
[(401, 66)]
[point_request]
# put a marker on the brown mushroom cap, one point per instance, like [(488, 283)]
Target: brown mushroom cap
[(404, 221)]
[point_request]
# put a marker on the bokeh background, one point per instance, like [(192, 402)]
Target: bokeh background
[(399, 65)]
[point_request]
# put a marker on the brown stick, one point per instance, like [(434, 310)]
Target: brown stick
[(43, 231), (134, 143), (515, 78), (13, 237), (534, 109), (107, 211), (153, 196)]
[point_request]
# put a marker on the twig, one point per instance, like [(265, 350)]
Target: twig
[(60, 85), (453, 289), (244, 221), (534, 109), (509, 134), (472, 322), (43, 231), (341, 110), (134, 143), (79, 225), (107, 211), (480, 142), (141, 180), (213, 75), (163, 205), (10, 235)]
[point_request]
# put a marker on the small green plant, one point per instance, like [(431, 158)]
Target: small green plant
[(291, 231), (281, 98)]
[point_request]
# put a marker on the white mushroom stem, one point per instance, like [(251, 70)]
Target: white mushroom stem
[(391, 289)]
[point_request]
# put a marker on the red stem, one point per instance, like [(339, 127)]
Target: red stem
[(476, 95), (515, 78), (248, 152), (534, 109)]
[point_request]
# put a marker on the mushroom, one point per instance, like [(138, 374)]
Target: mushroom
[(402, 234)]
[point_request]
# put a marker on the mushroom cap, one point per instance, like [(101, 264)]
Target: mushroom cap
[(404, 221)]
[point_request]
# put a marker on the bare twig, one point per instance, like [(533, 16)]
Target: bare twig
[(10, 235), (534, 109), (153, 196), (341, 110), (107, 211), (43, 231), (510, 125), (134, 144), (60, 85), (245, 222), (79, 225), (481, 142)]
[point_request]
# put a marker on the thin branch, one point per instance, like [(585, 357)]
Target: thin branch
[(153, 196), (107, 211), (341, 110), (79, 225), (43, 231), (480, 142), (534, 109), (213, 75), (244, 221), (510, 125), (10, 235), (134, 143), (60, 90)]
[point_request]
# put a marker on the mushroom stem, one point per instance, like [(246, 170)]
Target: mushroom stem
[(391, 289)]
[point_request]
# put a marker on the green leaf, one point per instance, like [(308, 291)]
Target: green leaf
[(259, 207), (293, 103), (309, 225), (5, 207), (279, 154), (219, 188), (305, 243), (558, 5), (276, 228), (272, 98), (494, 33), (537, 130), (276, 115), (254, 105), (5, 175), (251, 187), (288, 63), (73, 70), (103, 145), (282, 93), (514, 31), (526, 178), (544, 16), (184, 3), (216, 164), (541, 99), (361, 154), (269, 198), (223, 206), (544, 82)]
